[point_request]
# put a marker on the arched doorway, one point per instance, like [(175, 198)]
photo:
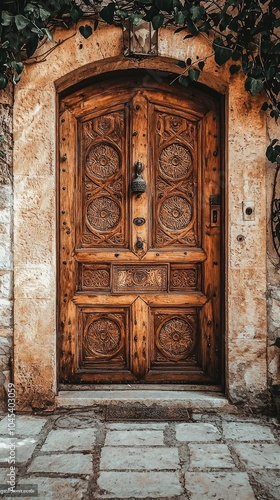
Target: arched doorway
[(140, 274)]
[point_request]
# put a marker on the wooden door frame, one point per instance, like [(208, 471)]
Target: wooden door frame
[(94, 73)]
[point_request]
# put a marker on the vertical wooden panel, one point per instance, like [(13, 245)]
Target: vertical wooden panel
[(140, 338)]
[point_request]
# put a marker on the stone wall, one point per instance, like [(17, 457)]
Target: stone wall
[(35, 221), (6, 265)]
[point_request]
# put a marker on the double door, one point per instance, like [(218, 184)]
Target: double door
[(139, 236)]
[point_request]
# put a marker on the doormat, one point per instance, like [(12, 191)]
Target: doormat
[(139, 411)]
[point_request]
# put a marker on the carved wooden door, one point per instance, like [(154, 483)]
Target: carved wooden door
[(140, 274)]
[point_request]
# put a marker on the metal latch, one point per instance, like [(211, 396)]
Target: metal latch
[(215, 210)]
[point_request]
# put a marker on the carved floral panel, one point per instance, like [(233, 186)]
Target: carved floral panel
[(175, 182), (174, 335), (103, 337), (94, 277), (103, 182), (136, 278)]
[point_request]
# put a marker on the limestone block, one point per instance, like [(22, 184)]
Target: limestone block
[(247, 304), (5, 313), (34, 282), (78, 464), (35, 385), (69, 440), (6, 284), (34, 329), (34, 239), (6, 197)]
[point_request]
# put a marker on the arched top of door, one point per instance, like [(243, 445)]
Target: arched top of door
[(154, 71)]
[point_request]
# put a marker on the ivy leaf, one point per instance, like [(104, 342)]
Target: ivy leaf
[(234, 68), (136, 19), (18, 66), (253, 85), (31, 45), (86, 31), (181, 64), (222, 53), (196, 12), (44, 14), (76, 13), (7, 19), (272, 152), (157, 21), (194, 74), (179, 17), (21, 22), (3, 81), (184, 80), (47, 33), (107, 13)]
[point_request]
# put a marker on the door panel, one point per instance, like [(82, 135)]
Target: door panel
[(140, 274)]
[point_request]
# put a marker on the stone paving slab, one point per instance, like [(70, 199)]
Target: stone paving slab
[(50, 488), (24, 448), (197, 432), (25, 425), (74, 463), (219, 485), (76, 454), (134, 438), (139, 459), (70, 440), (216, 456), (128, 426), (268, 481), (247, 431), (259, 455), (139, 485)]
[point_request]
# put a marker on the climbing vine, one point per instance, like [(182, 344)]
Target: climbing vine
[(243, 33)]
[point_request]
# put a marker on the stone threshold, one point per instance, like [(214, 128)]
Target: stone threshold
[(155, 404)]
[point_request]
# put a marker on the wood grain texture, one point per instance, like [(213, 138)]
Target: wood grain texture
[(139, 302)]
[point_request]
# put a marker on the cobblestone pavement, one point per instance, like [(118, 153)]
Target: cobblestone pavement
[(79, 455)]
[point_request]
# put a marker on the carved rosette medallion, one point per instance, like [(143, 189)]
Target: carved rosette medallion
[(103, 337), (175, 338), (103, 214), (175, 161), (175, 213), (102, 161)]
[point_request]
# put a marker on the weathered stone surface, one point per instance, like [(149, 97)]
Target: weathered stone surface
[(219, 485), (127, 426), (139, 484), (25, 425), (139, 459), (197, 432), (210, 455), (24, 448), (259, 455), (70, 440), (243, 431), (134, 438), (268, 481), (74, 463), (50, 488)]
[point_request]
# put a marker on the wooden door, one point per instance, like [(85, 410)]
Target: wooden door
[(140, 274)]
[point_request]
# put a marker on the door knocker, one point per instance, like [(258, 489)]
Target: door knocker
[(138, 185)]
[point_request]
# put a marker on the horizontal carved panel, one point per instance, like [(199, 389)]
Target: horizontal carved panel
[(94, 278), (184, 277), (137, 278)]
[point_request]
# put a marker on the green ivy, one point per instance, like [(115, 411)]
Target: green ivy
[(243, 33)]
